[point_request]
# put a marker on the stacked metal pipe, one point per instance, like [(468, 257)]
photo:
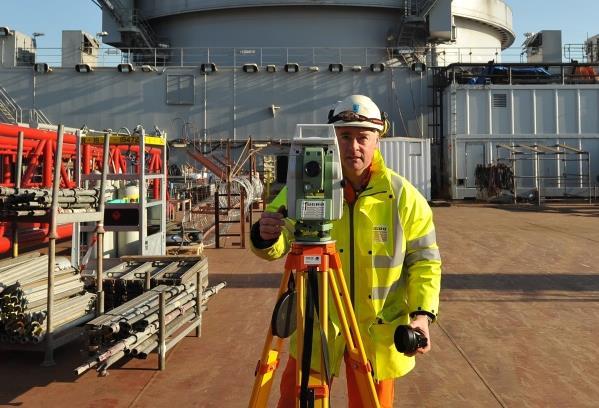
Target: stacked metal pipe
[(132, 328), (23, 299), (37, 202), (126, 281)]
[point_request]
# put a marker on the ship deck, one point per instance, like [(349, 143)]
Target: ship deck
[(518, 326)]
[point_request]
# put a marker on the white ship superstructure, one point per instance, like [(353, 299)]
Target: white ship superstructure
[(231, 69)]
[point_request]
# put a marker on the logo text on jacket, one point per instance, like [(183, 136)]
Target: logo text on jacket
[(380, 233)]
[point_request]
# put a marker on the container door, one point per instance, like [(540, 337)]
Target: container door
[(475, 155)]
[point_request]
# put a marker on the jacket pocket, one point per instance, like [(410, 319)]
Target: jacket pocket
[(387, 361)]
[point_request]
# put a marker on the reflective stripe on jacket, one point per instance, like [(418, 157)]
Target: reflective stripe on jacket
[(391, 263)]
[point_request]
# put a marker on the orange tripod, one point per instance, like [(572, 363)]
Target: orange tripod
[(308, 260)]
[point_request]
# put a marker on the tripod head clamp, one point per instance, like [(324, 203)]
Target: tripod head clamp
[(314, 175)]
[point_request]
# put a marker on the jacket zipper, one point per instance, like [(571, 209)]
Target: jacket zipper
[(352, 275), (352, 279)]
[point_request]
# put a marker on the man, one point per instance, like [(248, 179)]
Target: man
[(387, 245)]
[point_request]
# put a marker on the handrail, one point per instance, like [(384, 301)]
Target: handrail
[(44, 117), (37, 115), (116, 8), (519, 73), (6, 99), (425, 7), (227, 57), (145, 28)]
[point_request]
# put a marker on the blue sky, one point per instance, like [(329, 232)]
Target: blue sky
[(53, 16)]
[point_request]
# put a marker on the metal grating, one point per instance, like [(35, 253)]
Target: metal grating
[(500, 100)]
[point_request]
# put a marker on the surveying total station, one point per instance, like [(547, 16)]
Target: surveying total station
[(314, 201), (314, 177)]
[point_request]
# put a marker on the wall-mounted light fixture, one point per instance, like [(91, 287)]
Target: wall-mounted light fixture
[(35, 35), (85, 68), (125, 68), (148, 68), (5, 32), (274, 109), (419, 67), (271, 68), (207, 68), (41, 68), (179, 143), (336, 67), (356, 68), (379, 67), (313, 68), (250, 68), (293, 67)]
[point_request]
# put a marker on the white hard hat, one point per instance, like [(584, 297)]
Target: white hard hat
[(357, 111)]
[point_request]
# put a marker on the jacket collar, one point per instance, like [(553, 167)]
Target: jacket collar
[(380, 178), (379, 187)]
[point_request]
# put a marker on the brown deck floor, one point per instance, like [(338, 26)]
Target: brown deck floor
[(519, 326)]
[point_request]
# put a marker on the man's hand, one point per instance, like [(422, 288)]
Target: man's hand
[(420, 323), (271, 224)]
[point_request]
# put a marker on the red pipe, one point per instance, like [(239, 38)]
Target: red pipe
[(48, 159), (116, 161), (123, 164), (86, 153), (33, 161), (12, 131), (152, 165), (66, 180), (6, 168), (31, 238), (30, 133), (7, 143)]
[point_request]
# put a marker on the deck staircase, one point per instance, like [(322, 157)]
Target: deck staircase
[(212, 163), (412, 29), (137, 36), (135, 30), (38, 116), (11, 111), (425, 6)]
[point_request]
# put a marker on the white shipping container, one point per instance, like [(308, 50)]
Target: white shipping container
[(478, 118), (411, 158)]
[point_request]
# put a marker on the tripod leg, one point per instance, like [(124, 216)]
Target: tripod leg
[(313, 385), (355, 348), (269, 360)]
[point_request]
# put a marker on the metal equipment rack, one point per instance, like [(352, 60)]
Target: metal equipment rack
[(218, 221), (149, 243), (56, 337), (538, 153), (137, 274), (116, 333)]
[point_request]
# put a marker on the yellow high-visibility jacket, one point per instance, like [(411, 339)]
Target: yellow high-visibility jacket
[(391, 263)]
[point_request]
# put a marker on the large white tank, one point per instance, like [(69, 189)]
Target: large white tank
[(482, 29), (319, 23)]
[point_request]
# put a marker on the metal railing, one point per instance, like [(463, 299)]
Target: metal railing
[(145, 28), (9, 107), (228, 57), (127, 17), (262, 56), (425, 7), (38, 116), (519, 74)]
